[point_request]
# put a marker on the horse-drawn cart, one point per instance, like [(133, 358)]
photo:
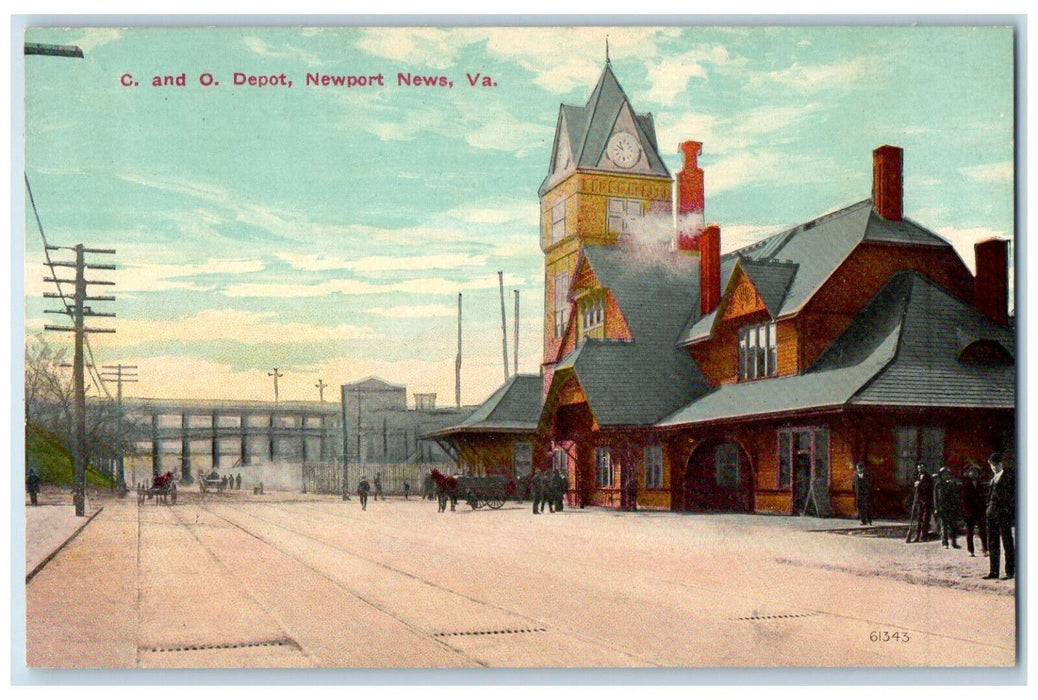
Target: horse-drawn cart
[(163, 489), (491, 491), (212, 482)]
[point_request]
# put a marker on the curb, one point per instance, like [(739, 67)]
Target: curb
[(46, 560)]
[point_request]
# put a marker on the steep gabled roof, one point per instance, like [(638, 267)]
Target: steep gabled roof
[(817, 248), (637, 382), (589, 128), (771, 278), (901, 350), (514, 407)]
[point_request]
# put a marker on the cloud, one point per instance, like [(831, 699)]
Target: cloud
[(381, 263), (998, 173), (156, 277), (413, 311), (814, 78), (427, 286), (422, 46), (93, 38), (262, 48), (670, 76), (246, 327)]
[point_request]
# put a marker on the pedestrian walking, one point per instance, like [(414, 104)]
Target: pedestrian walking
[(537, 493), (946, 492), (632, 491), (378, 487), (407, 490), (863, 493), (559, 486), (32, 485), (972, 504), (237, 482), (363, 488), (1001, 516), (924, 502)]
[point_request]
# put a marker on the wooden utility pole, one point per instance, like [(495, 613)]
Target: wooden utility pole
[(457, 361), (504, 326), (345, 446), (119, 373), (275, 374), (79, 311), (515, 343)]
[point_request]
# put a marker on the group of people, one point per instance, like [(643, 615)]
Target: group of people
[(226, 481), (942, 498), (548, 487), (364, 489)]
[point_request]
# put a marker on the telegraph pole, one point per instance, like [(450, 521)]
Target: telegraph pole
[(275, 374), (515, 345), (320, 387), (504, 327), (79, 311), (116, 373), (457, 361), (345, 446)]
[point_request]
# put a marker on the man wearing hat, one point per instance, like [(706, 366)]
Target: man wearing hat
[(362, 490), (863, 493), (1001, 515)]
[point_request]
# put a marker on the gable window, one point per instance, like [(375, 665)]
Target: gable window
[(561, 305), (558, 222), (621, 212), (918, 444), (758, 351), (603, 467), (592, 316), (654, 467)]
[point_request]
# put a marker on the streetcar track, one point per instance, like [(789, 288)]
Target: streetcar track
[(219, 562), (345, 589), (407, 574)]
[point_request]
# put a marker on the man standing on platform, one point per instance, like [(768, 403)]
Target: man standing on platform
[(1001, 516)]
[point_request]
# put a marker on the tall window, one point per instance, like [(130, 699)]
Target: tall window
[(522, 459), (558, 222), (654, 467), (918, 444), (758, 351), (621, 212), (559, 460), (603, 467), (561, 305), (807, 448)]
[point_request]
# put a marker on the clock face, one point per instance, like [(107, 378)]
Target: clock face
[(623, 150)]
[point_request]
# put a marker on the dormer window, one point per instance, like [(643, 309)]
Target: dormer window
[(592, 316), (561, 310), (558, 222), (758, 351), (622, 212)]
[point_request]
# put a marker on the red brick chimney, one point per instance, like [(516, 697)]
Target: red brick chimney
[(710, 268), (690, 197), (991, 285), (887, 193)]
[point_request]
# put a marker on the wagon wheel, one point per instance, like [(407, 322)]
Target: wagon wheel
[(496, 502), (173, 495)]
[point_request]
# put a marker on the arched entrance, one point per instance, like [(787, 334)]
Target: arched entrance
[(718, 478)]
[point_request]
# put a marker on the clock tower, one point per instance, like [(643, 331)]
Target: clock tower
[(606, 176)]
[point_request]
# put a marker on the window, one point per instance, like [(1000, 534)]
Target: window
[(621, 212), (807, 446), (603, 467), (758, 351), (918, 444), (522, 459), (592, 316), (559, 460), (726, 461), (558, 222), (561, 305), (654, 467)]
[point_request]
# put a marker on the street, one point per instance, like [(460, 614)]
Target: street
[(286, 580)]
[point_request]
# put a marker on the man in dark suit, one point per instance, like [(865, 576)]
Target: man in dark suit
[(973, 508), (923, 501), (863, 493), (1001, 516)]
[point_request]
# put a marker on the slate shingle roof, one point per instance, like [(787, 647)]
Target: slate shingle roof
[(817, 248), (901, 350), (638, 382), (589, 128), (514, 407)]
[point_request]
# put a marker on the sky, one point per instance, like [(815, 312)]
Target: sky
[(327, 231)]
